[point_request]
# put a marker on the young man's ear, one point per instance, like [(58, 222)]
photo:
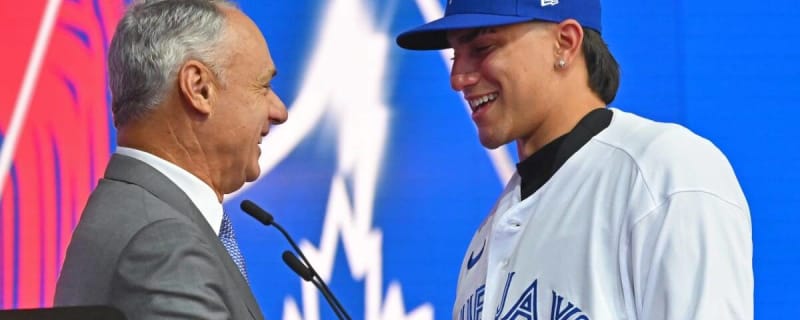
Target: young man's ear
[(569, 42), (196, 86)]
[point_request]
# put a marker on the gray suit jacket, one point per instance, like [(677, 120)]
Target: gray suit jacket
[(142, 246)]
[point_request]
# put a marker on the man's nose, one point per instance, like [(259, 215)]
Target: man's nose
[(460, 81), (277, 111)]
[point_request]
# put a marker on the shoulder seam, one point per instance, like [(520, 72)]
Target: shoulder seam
[(635, 163), (669, 196)]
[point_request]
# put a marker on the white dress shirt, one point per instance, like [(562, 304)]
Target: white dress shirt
[(200, 193)]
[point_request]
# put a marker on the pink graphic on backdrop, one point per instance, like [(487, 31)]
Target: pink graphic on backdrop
[(64, 142)]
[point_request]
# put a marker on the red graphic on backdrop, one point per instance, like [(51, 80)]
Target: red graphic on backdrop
[(64, 142)]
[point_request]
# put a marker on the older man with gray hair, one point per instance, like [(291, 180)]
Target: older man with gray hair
[(191, 101)]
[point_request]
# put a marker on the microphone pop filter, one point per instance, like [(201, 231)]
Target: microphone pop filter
[(256, 212)]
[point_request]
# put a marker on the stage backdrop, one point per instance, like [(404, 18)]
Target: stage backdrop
[(379, 170)]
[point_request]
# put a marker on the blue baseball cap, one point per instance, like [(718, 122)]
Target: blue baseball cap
[(467, 14)]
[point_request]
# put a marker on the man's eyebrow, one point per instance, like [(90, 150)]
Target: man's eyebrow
[(468, 37)]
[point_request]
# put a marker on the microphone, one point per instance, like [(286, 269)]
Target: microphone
[(256, 212), (300, 269), (303, 270)]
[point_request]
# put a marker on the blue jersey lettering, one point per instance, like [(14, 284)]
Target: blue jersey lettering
[(525, 307), (559, 313)]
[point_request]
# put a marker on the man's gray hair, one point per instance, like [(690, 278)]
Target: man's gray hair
[(151, 42)]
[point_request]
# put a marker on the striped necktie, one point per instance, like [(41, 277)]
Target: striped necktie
[(228, 238)]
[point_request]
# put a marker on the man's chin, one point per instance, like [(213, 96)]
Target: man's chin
[(491, 144), (252, 175)]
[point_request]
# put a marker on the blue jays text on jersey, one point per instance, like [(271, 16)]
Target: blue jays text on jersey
[(525, 305)]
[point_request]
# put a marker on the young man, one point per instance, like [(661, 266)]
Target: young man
[(609, 215), (191, 102)]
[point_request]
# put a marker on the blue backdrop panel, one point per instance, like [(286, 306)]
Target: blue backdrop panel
[(727, 70)]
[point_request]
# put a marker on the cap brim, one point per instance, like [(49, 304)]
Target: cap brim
[(433, 35)]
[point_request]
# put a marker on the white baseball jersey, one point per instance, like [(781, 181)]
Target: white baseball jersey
[(645, 221)]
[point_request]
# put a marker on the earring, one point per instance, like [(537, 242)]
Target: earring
[(561, 63)]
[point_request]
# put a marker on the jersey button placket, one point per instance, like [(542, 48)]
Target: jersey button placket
[(511, 228)]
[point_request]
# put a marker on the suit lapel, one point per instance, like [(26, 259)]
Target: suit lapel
[(127, 169)]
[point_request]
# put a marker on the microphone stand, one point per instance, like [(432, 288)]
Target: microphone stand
[(306, 274), (262, 215)]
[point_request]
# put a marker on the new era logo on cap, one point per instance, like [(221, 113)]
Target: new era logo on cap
[(468, 14), (544, 2)]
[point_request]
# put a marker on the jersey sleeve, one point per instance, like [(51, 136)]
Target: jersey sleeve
[(691, 258)]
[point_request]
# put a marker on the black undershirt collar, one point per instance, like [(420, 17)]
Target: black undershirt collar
[(543, 164)]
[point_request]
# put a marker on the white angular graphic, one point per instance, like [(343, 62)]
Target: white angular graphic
[(345, 81)]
